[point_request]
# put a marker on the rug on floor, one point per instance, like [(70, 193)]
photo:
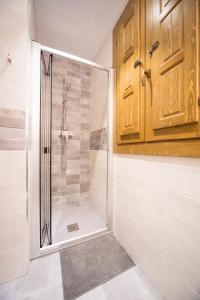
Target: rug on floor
[(87, 265)]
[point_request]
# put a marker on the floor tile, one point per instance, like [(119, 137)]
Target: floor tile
[(44, 282), (130, 285)]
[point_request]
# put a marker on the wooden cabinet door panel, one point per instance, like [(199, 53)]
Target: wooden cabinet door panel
[(128, 38), (129, 114), (130, 101), (172, 93)]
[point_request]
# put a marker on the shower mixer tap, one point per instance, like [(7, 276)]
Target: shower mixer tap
[(66, 135)]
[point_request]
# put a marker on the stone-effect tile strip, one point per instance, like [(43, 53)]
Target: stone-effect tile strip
[(99, 139), (12, 129), (71, 188)]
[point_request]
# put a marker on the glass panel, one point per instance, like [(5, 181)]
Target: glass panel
[(45, 150), (79, 149)]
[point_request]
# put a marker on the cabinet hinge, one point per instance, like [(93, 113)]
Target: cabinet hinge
[(199, 101)]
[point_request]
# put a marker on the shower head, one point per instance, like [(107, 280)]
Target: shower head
[(66, 88)]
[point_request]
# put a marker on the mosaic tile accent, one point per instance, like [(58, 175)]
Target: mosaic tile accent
[(71, 187), (99, 139), (12, 129)]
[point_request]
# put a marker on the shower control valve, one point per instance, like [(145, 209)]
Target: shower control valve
[(66, 135)]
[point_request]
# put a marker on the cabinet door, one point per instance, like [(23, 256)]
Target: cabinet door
[(130, 101), (172, 91)]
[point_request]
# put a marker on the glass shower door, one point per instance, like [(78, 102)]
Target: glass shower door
[(73, 149), (45, 149), (79, 149)]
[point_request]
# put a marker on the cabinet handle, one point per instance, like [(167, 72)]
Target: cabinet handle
[(146, 73), (154, 47), (137, 63)]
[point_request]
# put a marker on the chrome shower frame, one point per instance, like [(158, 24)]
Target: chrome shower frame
[(45, 149), (34, 155)]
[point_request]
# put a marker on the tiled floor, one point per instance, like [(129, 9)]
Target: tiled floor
[(44, 282), (86, 217), (130, 285)]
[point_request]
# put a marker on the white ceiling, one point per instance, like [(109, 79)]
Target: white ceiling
[(76, 26)]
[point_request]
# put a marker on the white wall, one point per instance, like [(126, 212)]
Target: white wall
[(13, 94), (157, 219), (157, 216), (32, 17)]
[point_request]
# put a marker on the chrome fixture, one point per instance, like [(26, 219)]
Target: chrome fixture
[(9, 58), (65, 135)]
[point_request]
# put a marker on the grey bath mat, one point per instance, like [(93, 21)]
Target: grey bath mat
[(91, 263)]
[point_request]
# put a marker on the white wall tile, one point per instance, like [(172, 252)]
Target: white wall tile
[(183, 179), (183, 217), (13, 167), (14, 33), (14, 85), (157, 221), (14, 263), (184, 259)]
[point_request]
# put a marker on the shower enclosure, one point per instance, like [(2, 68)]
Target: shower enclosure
[(73, 152)]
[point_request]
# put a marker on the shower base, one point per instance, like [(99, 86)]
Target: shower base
[(85, 216)]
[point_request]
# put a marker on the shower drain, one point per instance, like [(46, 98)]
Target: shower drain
[(72, 227)]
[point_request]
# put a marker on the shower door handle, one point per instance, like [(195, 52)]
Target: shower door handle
[(46, 150)]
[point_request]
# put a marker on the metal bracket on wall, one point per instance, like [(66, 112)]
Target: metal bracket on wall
[(9, 58)]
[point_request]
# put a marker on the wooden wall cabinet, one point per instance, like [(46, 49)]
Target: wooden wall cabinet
[(156, 58), (130, 98)]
